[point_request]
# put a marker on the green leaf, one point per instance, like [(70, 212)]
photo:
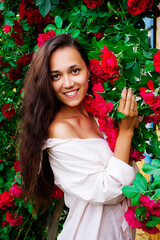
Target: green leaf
[(30, 208), (49, 27), (38, 2), (140, 211), (156, 162), (151, 224), (140, 182), (75, 33), (1, 166), (130, 191), (84, 8), (135, 200), (120, 115), (157, 194), (2, 6), (44, 7), (58, 21), (9, 18), (148, 168), (149, 66)]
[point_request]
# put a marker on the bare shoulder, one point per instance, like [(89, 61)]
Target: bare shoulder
[(62, 129)]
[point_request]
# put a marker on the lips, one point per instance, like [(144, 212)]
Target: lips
[(72, 93)]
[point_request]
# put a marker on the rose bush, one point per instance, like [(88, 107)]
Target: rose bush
[(114, 37)]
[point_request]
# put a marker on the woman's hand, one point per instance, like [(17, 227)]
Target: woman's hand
[(128, 106)]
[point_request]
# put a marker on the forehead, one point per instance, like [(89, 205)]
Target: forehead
[(65, 57)]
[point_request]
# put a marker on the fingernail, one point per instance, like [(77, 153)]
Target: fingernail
[(124, 88), (130, 88)]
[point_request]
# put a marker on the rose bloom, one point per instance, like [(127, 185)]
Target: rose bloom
[(97, 88), (156, 61), (93, 3), (146, 201), (147, 96), (151, 230), (57, 192), (42, 38), (6, 197), (25, 59), (98, 35), (8, 113), (17, 166), (6, 28), (136, 7), (4, 223), (14, 74), (156, 105), (155, 119), (136, 155), (19, 39), (109, 61), (130, 217), (34, 17), (16, 191), (17, 27)]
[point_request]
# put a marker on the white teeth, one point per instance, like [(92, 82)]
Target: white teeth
[(71, 93)]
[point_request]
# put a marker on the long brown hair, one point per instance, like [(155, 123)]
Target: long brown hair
[(39, 109)]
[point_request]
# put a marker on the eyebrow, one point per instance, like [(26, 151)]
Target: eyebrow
[(55, 71)]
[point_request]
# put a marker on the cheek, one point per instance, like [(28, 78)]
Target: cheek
[(56, 86)]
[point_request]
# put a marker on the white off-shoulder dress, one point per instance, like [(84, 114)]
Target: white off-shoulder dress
[(91, 178)]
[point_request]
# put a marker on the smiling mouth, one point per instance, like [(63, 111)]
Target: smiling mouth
[(71, 93)]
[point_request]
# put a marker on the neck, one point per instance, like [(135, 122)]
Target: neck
[(77, 111)]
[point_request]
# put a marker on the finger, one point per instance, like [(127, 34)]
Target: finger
[(133, 106), (122, 100), (128, 101)]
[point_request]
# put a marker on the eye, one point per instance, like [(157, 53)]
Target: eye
[(55, 77), (76, 70)]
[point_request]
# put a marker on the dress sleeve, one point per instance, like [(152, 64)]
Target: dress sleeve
[(93, 181)]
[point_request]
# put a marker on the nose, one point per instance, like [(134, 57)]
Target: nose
[(67, 82)]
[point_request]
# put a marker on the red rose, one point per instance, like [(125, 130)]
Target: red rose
[(155, 119), (34, 17), (2, 64), (4, 223), (156, 61), (16, 191), (156, 105), (6, 28), (19, 39), (136, 7), (25, 59), (14, 74), (109, 61), (22, 11), (8, 111), (151, 230), (17, 166), (8, 216), (17, 27), (6, 197), (57, 192), (98, 35), (93, 3), (42, 38)]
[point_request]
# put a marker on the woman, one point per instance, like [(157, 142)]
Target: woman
[(76, 156)]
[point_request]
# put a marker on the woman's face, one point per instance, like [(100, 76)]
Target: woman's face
[(69, 75)]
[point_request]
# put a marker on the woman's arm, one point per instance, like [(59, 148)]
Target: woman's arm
[(127, 125)]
